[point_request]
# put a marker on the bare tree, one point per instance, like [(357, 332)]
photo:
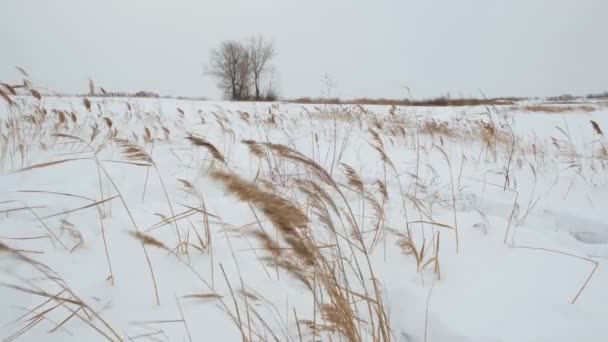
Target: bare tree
[(91, 87), (241, 66), (230, 65), (260, 52)]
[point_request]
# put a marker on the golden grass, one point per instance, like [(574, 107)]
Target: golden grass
[(303, 258), (200, 142), (148, 240), (6, 97)]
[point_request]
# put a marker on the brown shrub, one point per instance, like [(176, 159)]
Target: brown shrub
[(437, 102), (556, 109)]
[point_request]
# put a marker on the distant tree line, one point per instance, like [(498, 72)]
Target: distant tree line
[(603, 95), (243, 69), (568, 97)]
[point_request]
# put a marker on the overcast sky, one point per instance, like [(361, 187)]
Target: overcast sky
[(369, 48)]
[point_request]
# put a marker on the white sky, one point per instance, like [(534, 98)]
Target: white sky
[(368, 47)]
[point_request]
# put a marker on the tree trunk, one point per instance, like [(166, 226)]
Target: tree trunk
[(257, 88)]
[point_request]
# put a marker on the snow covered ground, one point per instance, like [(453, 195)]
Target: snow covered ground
[(493, 225)]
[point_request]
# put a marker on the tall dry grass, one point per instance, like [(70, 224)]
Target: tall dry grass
[(316, 215)]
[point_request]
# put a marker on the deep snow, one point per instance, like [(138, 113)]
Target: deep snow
[(521, 290)]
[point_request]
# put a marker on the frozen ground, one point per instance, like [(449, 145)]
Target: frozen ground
[(522, 194)]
